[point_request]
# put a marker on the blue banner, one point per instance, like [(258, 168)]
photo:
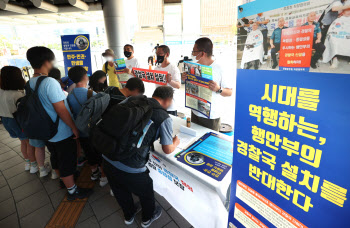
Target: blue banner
[(291, 150), (211, 155), (76, 52)]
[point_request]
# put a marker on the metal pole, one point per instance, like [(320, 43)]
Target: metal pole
[(113, 12)]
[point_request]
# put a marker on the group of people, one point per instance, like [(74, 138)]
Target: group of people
[(247, 28), (124, 176)]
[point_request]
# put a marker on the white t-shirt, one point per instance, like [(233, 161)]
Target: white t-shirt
[(221, 77), (8, 99), (131, 63), (176, 76)]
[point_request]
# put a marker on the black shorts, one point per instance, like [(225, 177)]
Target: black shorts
[(63, 156), (93, 157)]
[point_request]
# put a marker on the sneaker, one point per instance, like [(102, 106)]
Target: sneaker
[(54, 175), (335, 63), (103, 181), (81, 161), (111, 192), (80, 193), (313, 65), (34, 168), (274, 66), (44, 171), (96, 175), (27, 166), (130, 221), (156, 215)]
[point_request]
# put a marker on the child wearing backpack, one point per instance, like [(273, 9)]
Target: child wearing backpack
[(62, 145), (76, 98), (11, 89)]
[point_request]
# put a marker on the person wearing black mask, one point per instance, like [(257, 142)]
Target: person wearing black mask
[(98, 81), (130, 61)]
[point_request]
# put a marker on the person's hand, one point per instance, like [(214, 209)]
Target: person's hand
[(213, 86), (176, 141), (169, 78), (76, 133), (272, 46), (184, 76), (318, 41), (127, 70)]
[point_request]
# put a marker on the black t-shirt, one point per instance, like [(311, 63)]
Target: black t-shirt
[(242, 31)]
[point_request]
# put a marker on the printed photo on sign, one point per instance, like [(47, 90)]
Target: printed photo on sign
[(307, 36), (119, 65)]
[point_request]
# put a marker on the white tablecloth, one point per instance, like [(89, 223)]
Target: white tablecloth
[(204, 206)]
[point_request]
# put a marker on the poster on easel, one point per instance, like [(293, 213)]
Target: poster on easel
[(152, 76), (291, 146), (198, 95)]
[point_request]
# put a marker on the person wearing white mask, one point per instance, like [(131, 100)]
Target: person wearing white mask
[(220, 85), (174, 76), (109, 68)]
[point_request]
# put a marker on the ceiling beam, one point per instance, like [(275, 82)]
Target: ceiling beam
[(45, 6), (79, 4), (12, 8)]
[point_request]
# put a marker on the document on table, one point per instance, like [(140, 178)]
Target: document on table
[(186, 136)]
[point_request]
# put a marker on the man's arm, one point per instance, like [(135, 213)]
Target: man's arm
[(339, 8), (319, 36), (168, 149), (63, 113), (226, 92)]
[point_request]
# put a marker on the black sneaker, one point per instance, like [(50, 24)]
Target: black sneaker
[(313, 65), (130, 221), (96, 175), (274, 66), (80, 193), (81, 161), (156, 215)]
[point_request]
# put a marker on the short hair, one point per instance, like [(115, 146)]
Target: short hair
[(76, 73), (165, 49), (11, 78), (37, 56), (135, 84), (129, 45), (204, 44), (55, 73), (164, 92)]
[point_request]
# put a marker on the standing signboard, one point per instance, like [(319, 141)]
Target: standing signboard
[(76, 52), (291, 152)]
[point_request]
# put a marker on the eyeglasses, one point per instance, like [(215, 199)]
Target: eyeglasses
[(196, 51)]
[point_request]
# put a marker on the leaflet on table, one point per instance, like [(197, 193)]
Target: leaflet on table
[(198, 94), (120, 65), (210, 155), (153, 76), (291, 145)]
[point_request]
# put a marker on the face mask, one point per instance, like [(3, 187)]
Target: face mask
[(109, 58), (193, 57), (127, 54), (160, 58)]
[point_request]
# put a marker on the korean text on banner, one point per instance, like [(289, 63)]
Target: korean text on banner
[(76, 52), (153, 76)]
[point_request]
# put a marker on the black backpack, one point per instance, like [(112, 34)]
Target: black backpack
[(32, 116), (120, 132)]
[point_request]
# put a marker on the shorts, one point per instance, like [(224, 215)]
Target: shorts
[(63, 156), (37, 143), (13, 128), (93, 157)]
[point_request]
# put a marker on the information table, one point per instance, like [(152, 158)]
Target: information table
[(197, 197)]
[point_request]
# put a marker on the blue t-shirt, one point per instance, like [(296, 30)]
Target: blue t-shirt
[(165, 132), (50, 92), (317, 27), (276, 35), (81, 94)]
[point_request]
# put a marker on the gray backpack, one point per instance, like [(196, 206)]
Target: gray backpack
[(91, 111)]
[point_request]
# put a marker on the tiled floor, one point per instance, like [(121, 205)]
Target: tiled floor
[(29, 201)]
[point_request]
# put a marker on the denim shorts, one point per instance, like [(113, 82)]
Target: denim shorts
[(13, 128), (37, 143)]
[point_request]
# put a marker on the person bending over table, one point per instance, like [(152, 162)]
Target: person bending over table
[(202, 53)]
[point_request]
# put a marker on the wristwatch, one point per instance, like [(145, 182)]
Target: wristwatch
[(219, 91)]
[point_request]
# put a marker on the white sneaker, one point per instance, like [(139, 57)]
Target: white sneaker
[(111, 192), (54, 175), (44, 171), (103, 181), (335, 63), (34, 169), (27, 166)]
